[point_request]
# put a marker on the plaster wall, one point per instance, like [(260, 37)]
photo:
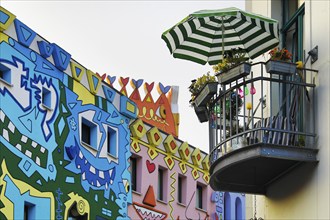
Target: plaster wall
[(304, 193), (148, 166)]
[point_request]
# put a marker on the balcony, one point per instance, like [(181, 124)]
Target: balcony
[(261, 127)]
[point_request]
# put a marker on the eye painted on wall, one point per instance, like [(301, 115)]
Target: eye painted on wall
[(162, 112)]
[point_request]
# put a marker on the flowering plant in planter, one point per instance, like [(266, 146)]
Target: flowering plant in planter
[(282, 55), (198, 84), (280, 62), (232, 66), (230, 59)]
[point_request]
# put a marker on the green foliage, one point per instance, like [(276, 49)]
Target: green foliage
[(232, 105), (231, 59), (282, 55), (198, 84)]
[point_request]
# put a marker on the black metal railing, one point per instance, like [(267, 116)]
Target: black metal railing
[(275, 109)]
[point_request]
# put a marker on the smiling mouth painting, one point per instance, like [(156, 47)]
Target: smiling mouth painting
[(146, 211)]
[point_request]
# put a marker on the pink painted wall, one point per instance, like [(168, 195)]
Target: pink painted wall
[(147, 170)]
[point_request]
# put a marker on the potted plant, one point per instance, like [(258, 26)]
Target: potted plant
[(201, 113), (202, 89), (280, 62), (232, 66)]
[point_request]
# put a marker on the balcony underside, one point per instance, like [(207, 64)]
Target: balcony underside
[(251, 169)]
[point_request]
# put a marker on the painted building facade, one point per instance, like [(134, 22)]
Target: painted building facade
[(65, 138), (170, 178)]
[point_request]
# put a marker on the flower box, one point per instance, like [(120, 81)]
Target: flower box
[(234, 73), (201, 113), (280, 67), (206, 93)]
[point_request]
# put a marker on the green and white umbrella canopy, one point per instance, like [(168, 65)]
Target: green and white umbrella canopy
[(204, 36)]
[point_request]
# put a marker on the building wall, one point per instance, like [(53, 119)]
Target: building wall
[(304, 193), (157, 150), (154, 147), (47, 172)]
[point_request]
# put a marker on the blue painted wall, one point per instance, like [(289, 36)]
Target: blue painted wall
[(47, 170)]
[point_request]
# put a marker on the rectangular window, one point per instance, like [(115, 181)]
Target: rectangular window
[(46, 97), (29, 211), (201, 196), (160, 194), (133, 173), (182, 181), (5, 74), (136, 170), (112, 142), (88, 133), (162, 186)]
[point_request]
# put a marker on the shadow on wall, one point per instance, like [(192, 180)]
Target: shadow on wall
[(293, 183)]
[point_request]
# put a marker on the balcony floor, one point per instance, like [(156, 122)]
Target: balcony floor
[(251, 169)]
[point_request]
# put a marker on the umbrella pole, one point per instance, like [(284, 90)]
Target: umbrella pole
[(223, 31)]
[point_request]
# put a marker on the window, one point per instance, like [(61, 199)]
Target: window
[(292, 39), (46, 97), (238, 209), (227, 206), (112, 142), (182, 189), (201, 196), (135, 170), (292, 30), (162, 184), (88, 133), (5, 74), (160, 195), (73, 213), (29, 211), (133, 173)]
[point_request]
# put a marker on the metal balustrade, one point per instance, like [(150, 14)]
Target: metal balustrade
[(262, 109), (279, 106)]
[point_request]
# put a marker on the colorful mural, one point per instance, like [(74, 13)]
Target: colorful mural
[(67, 136), (65, 140), (158, 152), (162, 113), (166, 166)]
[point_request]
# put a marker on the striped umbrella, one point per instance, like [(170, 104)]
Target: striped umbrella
[(204, 36)]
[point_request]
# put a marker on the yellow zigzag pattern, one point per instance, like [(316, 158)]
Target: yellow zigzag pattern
[(171, 193)]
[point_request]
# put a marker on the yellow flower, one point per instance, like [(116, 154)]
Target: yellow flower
[(300, 64), (249, 106)]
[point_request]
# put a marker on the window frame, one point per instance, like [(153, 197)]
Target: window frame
[(29, 210), (296, 21), (46, 98), (112, 142), (161, 185), (92, 133), (201, 191), (136, 186), (5, 75), (181, 192)]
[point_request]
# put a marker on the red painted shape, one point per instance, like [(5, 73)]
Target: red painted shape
[(150, 166), (103, 76), (124, 81), (198, 157), (149, 87), (156, 137), (149, 198)]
